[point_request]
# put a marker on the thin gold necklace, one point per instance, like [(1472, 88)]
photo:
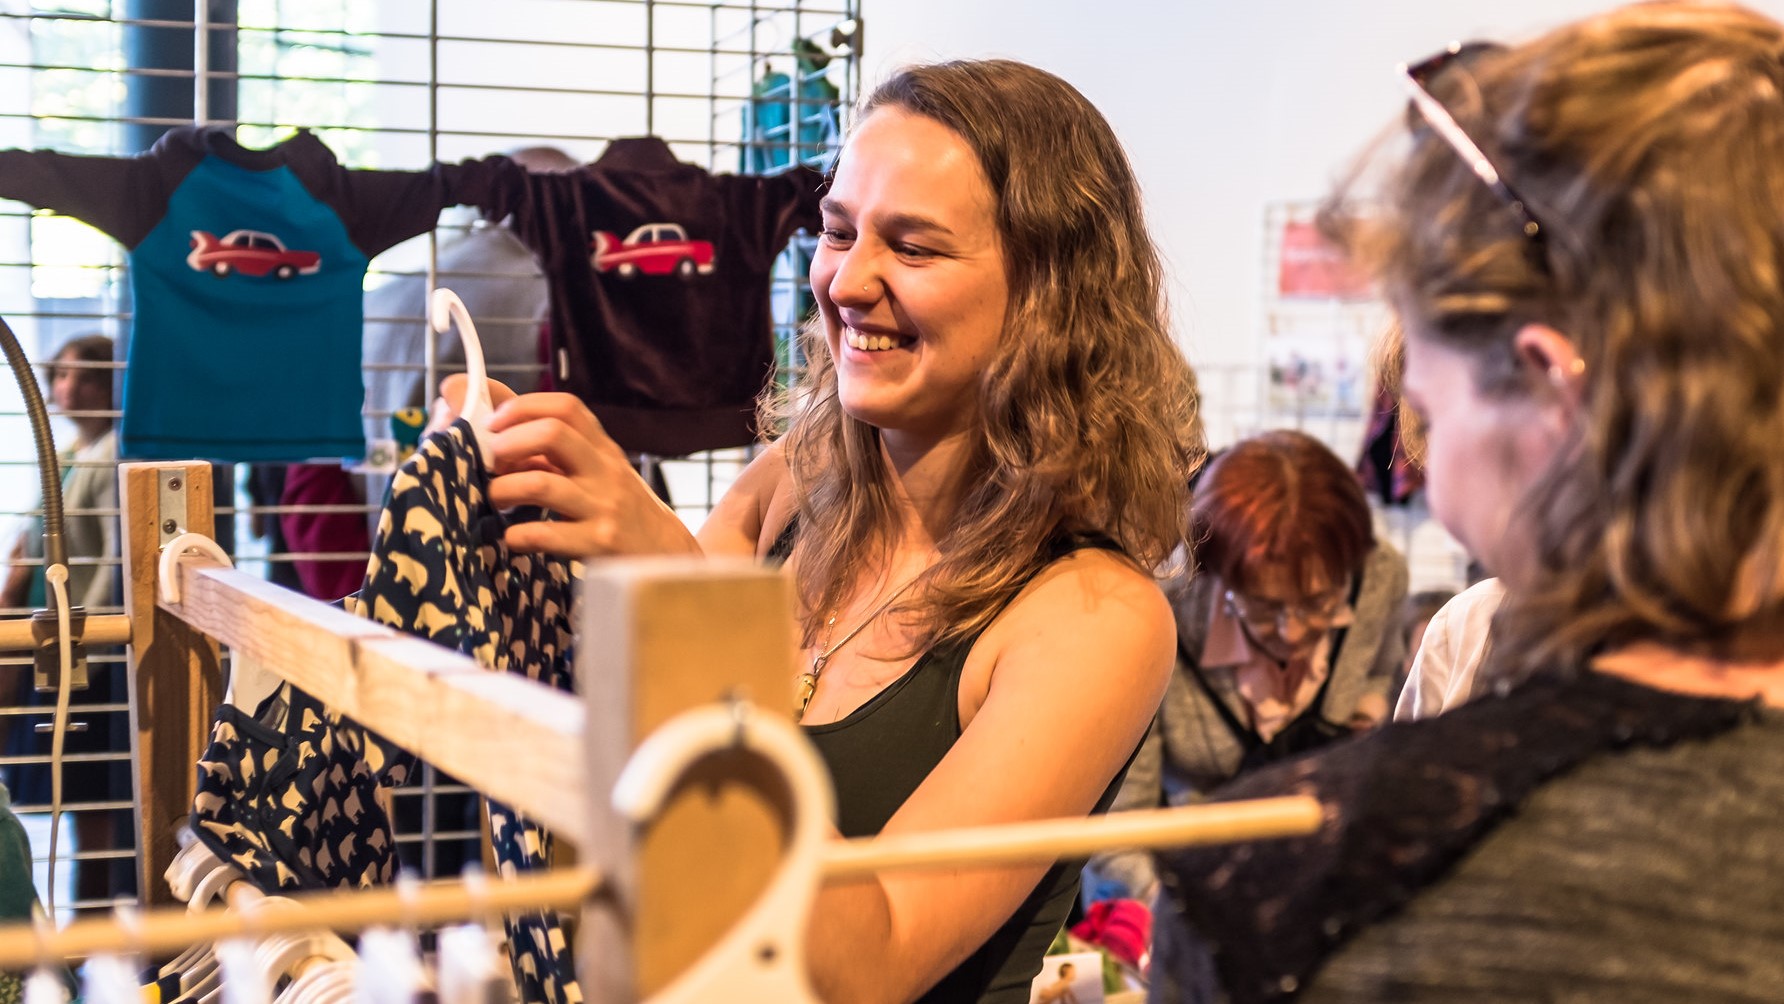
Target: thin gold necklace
[(807, 684)]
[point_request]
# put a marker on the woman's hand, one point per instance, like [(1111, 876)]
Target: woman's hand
[(549, 450), (452, 401)]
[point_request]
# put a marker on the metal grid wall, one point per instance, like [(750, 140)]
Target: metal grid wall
[(1315, 373), (396, 84)]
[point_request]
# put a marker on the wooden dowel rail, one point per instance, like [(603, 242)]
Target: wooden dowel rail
[(101, 629), (1051, 839), (170, 929), (167, 930)]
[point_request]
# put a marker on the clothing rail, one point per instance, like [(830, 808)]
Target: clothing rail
[(656, 637), (170, 929), (440, 705), (104, 629), (475, 725)]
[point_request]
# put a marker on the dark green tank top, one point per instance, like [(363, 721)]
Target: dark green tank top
[(883, 750)]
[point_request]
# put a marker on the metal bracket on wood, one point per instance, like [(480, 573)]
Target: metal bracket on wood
[(170, 503)]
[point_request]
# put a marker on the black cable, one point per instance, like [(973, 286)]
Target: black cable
[(55, 546)]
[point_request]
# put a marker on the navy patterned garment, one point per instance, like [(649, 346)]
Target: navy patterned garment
[(439, 570), (288, 794)]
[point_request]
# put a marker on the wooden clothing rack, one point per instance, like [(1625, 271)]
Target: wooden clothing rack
[(673, 634)]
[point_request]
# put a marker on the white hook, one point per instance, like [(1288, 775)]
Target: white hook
[(177, 548), (762, 957), (445, 310)]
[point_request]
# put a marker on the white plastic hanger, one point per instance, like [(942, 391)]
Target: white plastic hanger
[(762, 957), (324, 983), (389, 969), (249, 684), (43, 986), (467, 965), (177, 548), (244, 982), (446, 309), (108, 979)]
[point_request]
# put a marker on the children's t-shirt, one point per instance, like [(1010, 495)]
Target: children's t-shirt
[(246, 269), (660, 283)]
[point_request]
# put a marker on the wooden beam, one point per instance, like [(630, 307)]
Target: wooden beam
[(657, 637), (170, 930), (23, 944), (509, 737), (1049, 840), (175, 674), (101, 629)]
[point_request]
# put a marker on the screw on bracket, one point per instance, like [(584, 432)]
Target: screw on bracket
[(173, 484), (169, 526)]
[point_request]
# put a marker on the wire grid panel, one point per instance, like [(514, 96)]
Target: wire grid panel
[(731, 86), (1320, 326)]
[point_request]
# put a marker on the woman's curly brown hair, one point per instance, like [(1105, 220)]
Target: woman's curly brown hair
[(1648, 141), (1091, 419)]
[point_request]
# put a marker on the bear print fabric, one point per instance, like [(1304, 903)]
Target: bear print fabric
[(439, 570), (288, 795)]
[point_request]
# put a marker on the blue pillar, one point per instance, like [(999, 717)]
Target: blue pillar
[(172, 48)]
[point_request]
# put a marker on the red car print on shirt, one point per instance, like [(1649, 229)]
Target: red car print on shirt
[(249, 252), (654, 249)]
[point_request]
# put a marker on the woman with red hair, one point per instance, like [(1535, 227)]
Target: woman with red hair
[(1284, 631)]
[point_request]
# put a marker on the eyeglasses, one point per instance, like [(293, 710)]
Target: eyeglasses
[(1317, 614), (1418, 77)]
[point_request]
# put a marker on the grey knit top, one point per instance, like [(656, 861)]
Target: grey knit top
[(1619, 845)]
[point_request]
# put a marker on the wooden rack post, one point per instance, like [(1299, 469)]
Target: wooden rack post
[(659, 636), (175, 673)]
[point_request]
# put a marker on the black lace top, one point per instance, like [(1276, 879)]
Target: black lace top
[(1580, 838)]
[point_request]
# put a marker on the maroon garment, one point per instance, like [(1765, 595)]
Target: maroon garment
[(660, 275), (1385, 467), (323, 532)]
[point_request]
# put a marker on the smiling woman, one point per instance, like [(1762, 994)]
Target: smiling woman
[(985, 458)]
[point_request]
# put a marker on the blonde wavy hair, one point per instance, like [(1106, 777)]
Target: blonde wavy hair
[(1649, 142), (1091, 421)]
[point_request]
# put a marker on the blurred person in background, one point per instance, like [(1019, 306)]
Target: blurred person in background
[(1286, 631)]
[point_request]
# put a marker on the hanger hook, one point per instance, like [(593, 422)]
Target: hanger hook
[(762, 957), (167, 572), (445, 310)]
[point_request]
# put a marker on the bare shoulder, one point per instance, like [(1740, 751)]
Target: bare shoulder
[(756, 506), (1092, 615), (1096, 589)]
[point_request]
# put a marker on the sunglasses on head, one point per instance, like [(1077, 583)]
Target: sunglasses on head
[(1417, 78)]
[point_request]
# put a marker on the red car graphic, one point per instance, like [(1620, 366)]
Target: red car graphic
[(654, 249), (249, 252)]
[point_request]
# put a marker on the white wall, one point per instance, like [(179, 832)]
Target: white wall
[(1223, 106)]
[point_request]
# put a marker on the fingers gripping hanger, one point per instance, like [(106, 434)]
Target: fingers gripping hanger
[(762, 957), (445, 310)]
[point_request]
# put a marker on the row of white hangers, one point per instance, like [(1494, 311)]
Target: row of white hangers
[(760, 959), (319, 967)]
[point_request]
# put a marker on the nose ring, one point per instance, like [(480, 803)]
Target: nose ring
[(863, 287)]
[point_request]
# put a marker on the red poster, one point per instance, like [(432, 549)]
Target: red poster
[(1309, 267)]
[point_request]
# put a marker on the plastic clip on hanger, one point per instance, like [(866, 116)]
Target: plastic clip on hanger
[(244, 982), (445, 310), (108, 979), (44, 985), (470, 968), (762, 957)]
